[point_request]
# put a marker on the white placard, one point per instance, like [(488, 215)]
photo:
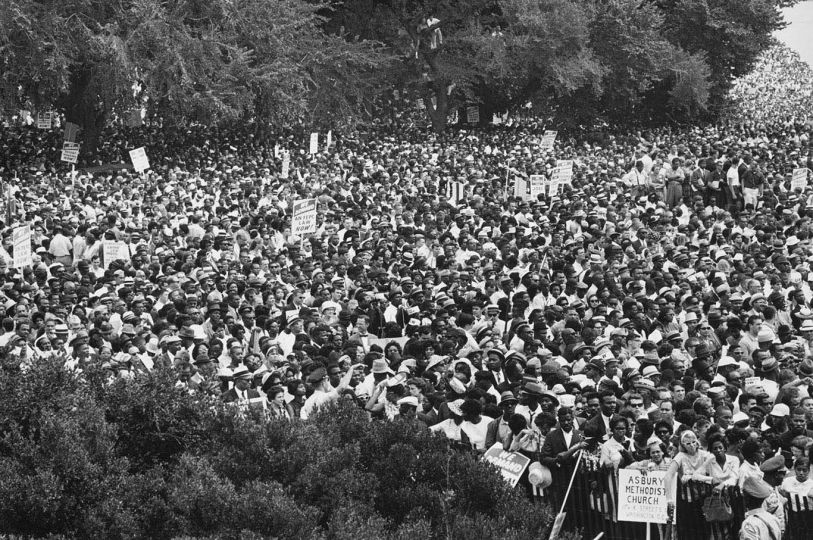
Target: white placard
[(45, 120), (473, 114), (304, 217), (538, 183), (70, 152), (139, 159), (113, 250), (563, 173), (329, 141), (21, 239), (642, 498), (314, 147), (799, 179), (286, 164), (547, 140)]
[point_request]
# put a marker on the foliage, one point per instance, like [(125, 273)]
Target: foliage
[(198, 60), (83, 456)]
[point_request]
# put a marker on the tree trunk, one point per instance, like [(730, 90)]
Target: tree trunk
[(437, 114), (81, 108)]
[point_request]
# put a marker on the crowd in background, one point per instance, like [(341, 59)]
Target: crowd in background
[(655, 313)]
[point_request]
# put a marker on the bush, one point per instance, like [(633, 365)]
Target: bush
[(83, 457)]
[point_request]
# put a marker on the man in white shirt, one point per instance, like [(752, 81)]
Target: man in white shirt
[(323, 392)]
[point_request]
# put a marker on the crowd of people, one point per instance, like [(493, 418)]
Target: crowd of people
[(655, 313)]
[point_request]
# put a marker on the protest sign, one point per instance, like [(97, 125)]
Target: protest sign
[(70, 152), (538, 183), (547, 140), (314, 147), (21, 239), (329, 140), (139, 159), (799, 179), (563, 173), (286, 164), (45, 120), (642, 498), (753, 382), (70, 132), (113, 250), (304, 217), (473, 114), (510, 464)]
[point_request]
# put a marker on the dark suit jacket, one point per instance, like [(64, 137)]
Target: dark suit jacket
[(555, 444), (231, 395)]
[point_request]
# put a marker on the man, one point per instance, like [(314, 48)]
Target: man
[(600, 423), (562, 443), (242, 391), (758, 524), (498, 430), (775, 471), (323, 392)]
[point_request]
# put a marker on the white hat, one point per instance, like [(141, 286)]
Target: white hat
[(412, 401)]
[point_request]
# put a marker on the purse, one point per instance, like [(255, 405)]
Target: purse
[(717, 508)]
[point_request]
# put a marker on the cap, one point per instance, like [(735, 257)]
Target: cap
[(774, 464), (412, 401), (756, 487), (779, 410)]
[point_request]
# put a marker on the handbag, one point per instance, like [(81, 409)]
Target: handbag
[(716, 508)]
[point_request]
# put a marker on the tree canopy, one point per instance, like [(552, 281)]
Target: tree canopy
[(324, 62)]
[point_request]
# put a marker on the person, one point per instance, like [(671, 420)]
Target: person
[(657, 460), (758, 524), (323, 392), (562, 444), (690, 464), (241, 391), (498, 430), (277, 407), (799, 485), (617, 452), (724, 468)]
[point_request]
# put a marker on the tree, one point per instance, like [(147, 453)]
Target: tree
[(185, 60), (81, 456)]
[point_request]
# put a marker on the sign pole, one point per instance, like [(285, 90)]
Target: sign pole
[(560, 517)]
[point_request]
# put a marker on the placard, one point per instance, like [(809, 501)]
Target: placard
[(304, 217), (547, 140), (286, 164), (139, 159), (510, 464), (642, 497), (521, 188), (329, 140), (538, 183), (134, 118), (113, 250), (314, 146), (70, 132), (753, 381), (799, 179), (21, 239), (70, 152), (45, 120), (563, 173), (473, 114)]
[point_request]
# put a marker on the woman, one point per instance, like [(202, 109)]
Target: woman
[(451, 427), (616, 453), (724, 469), (691, 463), (277, 408), (658, 460), (474, 426)]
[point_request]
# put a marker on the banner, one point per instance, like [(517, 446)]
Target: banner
[(21, 238), (286, 164), (314, 148), (521, 188), (45, 120), (642, 498), (510, 464), (70, 133), (139, 159), (547, 140), (70, 152), (304, 217), (799, 179), (473, 114)]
